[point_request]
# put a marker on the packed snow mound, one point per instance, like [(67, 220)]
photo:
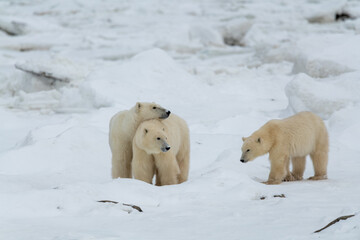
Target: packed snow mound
[(318, 55), (152, 76), (260, 35), (321, 53), (15, 26), (206, 36), (191, 39), (319, 68), (57, 69), (52, 85), (323, 97), (42, 144), (324, 12), (66, 99), (234, 32), (36, 101)]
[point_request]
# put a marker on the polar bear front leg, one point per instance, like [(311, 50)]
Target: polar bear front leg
[(167, 168), (277, 170), (143, 167), (116, 164), (121, 159)]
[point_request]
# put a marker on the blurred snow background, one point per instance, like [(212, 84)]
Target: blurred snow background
[(227, 67)]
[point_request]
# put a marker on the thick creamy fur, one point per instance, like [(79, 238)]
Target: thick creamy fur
[(171, 166), (121, 133), (290, 138)]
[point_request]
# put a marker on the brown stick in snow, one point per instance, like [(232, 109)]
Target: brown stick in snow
[(280, 195), (133, 206), (335, 221), (124, 204), (108, 201)]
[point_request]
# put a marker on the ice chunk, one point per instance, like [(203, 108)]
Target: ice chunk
[(323, 97), (319, 68)]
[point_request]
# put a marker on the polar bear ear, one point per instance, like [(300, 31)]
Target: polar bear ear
[(138, 106), (259, 140), (243, 138)]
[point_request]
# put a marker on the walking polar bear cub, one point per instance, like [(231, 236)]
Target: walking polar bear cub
[(122, 130), (162, 148), (294, 137)]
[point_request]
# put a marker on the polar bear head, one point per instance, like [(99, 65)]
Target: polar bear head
[(151, 137), (258, 144), (151, 111)]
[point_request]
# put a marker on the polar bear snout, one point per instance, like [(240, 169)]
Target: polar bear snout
[(166, 114), (165, 148), (243, 158)]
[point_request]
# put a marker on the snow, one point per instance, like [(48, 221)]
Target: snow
[(226, 67), (323, 97), (325, 13)]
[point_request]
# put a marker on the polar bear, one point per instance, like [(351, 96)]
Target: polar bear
[(162, 148), (294, 137), (122, 130)]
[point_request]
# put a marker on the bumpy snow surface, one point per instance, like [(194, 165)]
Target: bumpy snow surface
[(227, 67)]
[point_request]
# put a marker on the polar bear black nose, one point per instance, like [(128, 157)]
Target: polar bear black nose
[(167, 148), (168, 113), (242, 160)]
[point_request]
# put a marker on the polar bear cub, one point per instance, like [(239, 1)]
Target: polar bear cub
[(162, 148), (122, 130), (294, 137)]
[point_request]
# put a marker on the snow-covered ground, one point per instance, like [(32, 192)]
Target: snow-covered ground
[(226, 67)]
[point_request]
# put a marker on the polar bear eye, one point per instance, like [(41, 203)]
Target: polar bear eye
[(248, 150), (154, 107), (158, 138)]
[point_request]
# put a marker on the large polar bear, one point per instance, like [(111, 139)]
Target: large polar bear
[(294, 137), (122, 130), (162, 148)]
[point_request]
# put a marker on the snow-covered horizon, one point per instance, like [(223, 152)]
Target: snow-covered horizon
[(226, 67)]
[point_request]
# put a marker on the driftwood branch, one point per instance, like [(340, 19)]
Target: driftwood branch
[(43, 74), (108, 201), (280, 195), (275, 196), (124, 204), (335, 221), (133, 206)]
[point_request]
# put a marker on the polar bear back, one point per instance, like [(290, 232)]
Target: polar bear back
[(302, 133)]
